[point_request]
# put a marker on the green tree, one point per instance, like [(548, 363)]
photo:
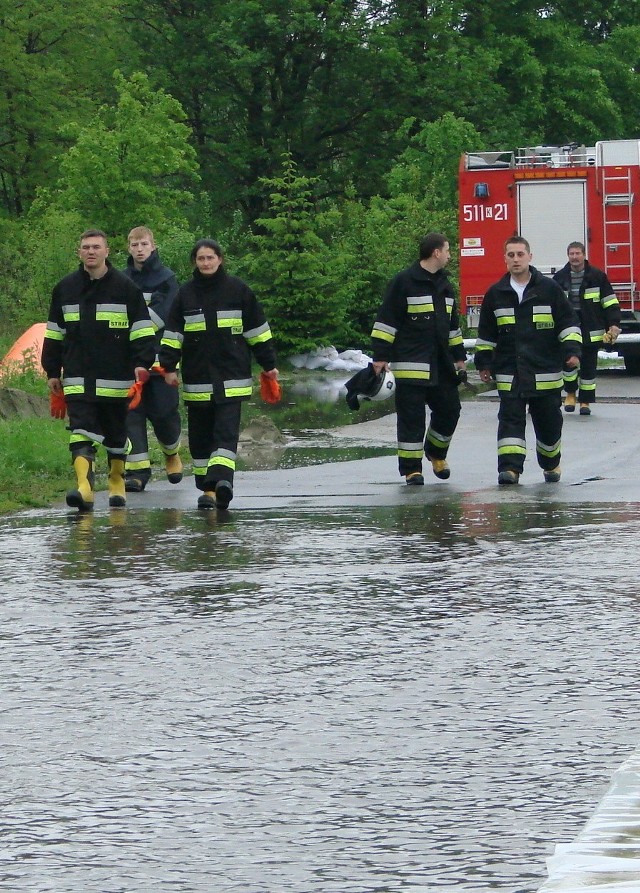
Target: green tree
[(56, 60), (291, 267), (619, 65), (127, 165), (381, 235), (521, 73), (132, 162), (464, 63), (20, 306), (598, 21), (573, 113), (321, 79), (428, 167)]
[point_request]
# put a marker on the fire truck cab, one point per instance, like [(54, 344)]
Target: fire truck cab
[(553, 195)]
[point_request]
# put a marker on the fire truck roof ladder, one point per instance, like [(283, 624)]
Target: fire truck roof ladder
[(618, 229)]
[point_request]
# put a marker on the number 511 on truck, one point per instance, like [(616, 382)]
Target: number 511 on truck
[(553, 195)]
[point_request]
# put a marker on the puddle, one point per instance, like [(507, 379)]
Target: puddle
[(421, 696)]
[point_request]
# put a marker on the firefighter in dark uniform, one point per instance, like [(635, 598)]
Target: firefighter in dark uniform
[(100, 338), (593, 298), (215, 327), (527, 333), (417, 335), (159, 402)]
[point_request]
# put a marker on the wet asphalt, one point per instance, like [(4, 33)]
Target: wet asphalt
[(600, 463)]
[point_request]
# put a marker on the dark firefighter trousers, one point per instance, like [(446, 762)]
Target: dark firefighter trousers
[(583, 380), (546, 417), (159, 405), (411, 401), (214, 429), (93, 422)]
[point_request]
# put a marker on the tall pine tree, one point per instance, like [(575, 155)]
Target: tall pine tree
[(292, 268)]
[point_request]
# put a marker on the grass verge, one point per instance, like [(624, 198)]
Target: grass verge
[(34, 463), (35, 466)]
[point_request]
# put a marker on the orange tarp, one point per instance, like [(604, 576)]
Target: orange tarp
[(26, 350)]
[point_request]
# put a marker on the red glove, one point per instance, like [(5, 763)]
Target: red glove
[(58, 406), (270, 389), (135, 394), (162, 371), (135, 391)]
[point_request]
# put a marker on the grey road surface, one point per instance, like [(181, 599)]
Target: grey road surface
[(600, 463)]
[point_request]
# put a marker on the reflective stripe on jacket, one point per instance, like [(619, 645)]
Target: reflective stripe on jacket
[(527, 342), (98, 331), (599, 306), (417, 328), (215, 326)]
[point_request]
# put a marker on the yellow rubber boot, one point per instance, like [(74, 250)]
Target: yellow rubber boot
[(117, 498), (207, 500), (173, 467), (82, 497), (441, 468)]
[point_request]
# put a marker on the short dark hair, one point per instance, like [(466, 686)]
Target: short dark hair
[(430, 243), (576, 245), (206, 243), (94, 234), (517, 240)]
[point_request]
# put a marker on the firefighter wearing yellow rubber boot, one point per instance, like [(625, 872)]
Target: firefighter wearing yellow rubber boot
[(99, 339), (159, 402), (592, 297), (215, 329), (527, 333), (417, 335)]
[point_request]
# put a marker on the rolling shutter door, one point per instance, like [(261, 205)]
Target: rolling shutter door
[(551, 214)]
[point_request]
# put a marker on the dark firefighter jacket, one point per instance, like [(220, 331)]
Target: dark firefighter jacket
[(159, 287), (97, 332), (214, 326), (417, 328), (599, 307), (532, 339)]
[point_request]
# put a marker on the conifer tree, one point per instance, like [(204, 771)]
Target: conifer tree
[(291, 267)]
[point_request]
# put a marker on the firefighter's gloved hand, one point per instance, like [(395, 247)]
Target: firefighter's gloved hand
[(463, 379), (135, 391), (611, 335), (135, 394), (270, 389), (58, 406)]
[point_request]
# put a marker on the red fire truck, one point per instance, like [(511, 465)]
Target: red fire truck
[(553, 195)]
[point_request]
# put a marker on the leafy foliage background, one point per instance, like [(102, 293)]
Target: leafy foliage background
[(317, 140)]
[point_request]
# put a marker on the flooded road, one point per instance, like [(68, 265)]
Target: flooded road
[(418, 695)]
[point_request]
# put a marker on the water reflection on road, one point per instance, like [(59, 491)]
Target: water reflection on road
[(425, 697)]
